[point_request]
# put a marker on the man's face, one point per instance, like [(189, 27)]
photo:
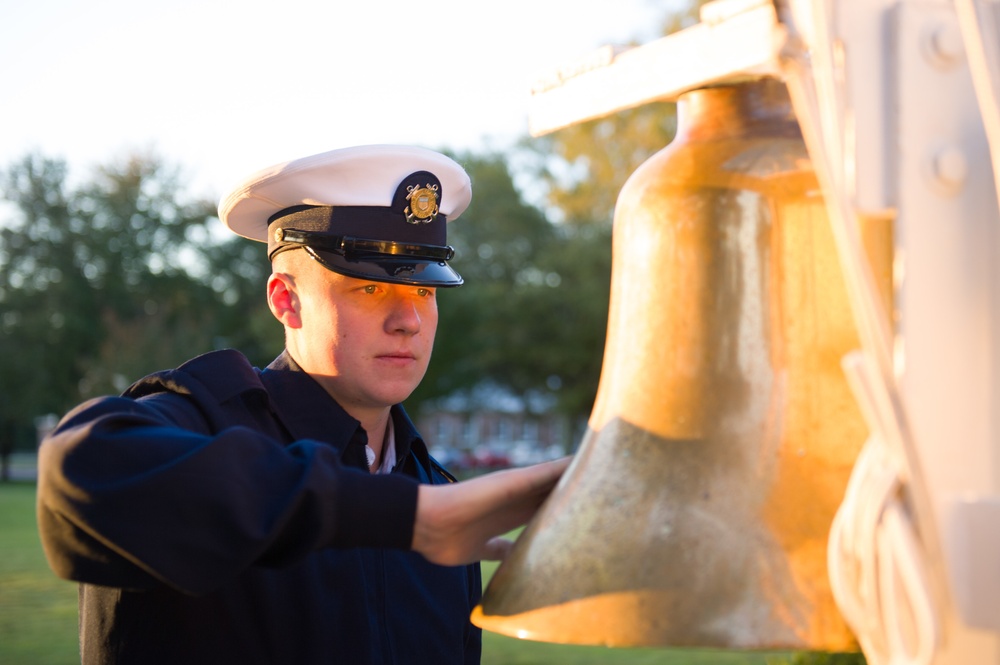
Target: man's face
[(368, 343)]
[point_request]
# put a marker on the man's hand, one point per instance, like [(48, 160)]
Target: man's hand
[(462, 522)]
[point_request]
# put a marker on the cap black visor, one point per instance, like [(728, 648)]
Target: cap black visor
[(392, 269)]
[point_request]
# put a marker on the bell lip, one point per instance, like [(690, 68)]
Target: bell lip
[(414, 272)]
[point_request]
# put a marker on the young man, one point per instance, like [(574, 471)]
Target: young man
[(218, 513)]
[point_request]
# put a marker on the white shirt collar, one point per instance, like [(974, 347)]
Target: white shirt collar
[(388, 449)]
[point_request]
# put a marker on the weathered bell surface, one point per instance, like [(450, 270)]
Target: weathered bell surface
[(697, 508)]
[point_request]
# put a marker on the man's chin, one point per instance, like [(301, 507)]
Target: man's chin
[(391, 395)]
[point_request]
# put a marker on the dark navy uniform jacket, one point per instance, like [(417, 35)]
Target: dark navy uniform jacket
[(218, 513)]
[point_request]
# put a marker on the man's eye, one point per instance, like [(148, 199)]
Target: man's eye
[(423, 293), (370, 289)]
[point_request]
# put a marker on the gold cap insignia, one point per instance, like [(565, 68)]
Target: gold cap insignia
[(423, 204)]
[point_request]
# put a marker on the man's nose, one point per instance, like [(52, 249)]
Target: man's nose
[(404, 316)]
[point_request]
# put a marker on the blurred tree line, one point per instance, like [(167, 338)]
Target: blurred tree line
[(109, 280)]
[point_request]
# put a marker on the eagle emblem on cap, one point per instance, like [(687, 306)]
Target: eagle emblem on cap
[(423, 204)]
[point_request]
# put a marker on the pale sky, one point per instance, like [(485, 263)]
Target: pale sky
[(225, 88)]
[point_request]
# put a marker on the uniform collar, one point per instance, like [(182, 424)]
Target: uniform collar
[(308, 412)]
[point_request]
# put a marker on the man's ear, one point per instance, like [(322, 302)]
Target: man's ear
[(283, 299)]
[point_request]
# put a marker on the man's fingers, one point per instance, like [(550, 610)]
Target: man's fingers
[(465, 521), (530, 481)]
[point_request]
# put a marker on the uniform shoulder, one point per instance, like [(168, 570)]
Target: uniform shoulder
[(224, 373), (216, 382)]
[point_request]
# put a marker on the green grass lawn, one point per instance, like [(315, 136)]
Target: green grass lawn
[(37, 609), (38, 613)]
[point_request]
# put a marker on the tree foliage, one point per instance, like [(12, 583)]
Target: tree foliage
[(106, 282)]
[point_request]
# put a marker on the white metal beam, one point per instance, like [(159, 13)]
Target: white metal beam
[(727, 47)]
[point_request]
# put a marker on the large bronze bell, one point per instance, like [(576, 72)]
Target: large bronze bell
[(697, 509)]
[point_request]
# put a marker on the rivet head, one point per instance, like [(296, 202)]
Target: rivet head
[(950, 166), (279, 235), (943, 45)]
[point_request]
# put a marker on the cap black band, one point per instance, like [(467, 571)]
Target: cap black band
[(368, 222), (351, 247)]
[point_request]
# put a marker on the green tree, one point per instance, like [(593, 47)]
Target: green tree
[(42, 290), (137, 252), (109, 281)]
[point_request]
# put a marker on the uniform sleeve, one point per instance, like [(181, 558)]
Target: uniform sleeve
[(128, 498)]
